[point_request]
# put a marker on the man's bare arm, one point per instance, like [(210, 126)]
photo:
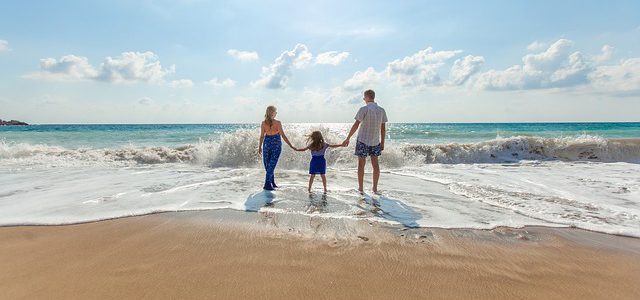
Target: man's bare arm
[(383, 133), (354, 127)]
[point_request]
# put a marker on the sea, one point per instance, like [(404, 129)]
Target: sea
[(463, 175)]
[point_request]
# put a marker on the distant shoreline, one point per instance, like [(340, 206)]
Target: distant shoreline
[(12, 122)]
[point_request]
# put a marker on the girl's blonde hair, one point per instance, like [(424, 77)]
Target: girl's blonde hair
[(315, 141), (267, 115)]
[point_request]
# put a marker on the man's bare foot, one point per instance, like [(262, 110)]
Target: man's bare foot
[(375, 191), (361, 192), (325, 191), (309, 190)]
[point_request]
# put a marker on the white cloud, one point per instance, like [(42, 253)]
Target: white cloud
[(4, 46), (555, 67), (363, 79), (574, 73), (221, 83), (622, 79), (558, 66), (277, 74), (549, 59), (536, 46), (69, 67), (126, 68), (509, 79), (132, 67), (561, 67), (420, 69), (145, 101), (464, 68), (331, 58), (243, 55), (605, 55), (181, 84)]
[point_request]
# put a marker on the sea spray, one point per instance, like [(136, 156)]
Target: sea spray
[(240, 149)]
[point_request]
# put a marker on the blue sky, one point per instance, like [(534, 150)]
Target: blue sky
[(224, 61)]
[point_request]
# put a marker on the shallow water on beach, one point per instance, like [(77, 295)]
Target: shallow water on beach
[(67, 175)]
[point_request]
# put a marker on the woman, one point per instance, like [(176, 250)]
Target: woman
[(270, 132)]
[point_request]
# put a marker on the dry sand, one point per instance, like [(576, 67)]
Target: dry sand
[(184, 256)]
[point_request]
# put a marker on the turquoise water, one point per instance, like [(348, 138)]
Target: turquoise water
[(433, 175), (111, 136)]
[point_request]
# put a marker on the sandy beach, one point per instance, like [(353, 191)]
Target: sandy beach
[(205, 255), (320, 150)]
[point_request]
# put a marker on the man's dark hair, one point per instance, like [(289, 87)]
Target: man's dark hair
[(370, 94)]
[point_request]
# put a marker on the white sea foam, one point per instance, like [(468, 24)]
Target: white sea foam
[(239, 149), (586, 182)]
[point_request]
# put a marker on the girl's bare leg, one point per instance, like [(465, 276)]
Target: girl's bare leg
[(311, 182), (324, 182)]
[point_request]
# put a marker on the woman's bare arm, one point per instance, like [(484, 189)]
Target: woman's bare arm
[(261, 137), (284, 136)]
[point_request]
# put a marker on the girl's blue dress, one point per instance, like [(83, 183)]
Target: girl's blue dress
[(318, 164)]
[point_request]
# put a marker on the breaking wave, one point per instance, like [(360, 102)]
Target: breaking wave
[(239, 149)]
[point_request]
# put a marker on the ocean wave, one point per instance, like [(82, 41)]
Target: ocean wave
[(239, 149)]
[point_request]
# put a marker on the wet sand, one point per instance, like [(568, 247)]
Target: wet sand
[(205, 255)]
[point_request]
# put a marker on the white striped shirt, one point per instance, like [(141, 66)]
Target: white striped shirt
[(371, 117)]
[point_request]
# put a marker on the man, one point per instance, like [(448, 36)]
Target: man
[(371, 120)]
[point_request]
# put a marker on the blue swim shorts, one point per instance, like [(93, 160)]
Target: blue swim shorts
[(363, 150)]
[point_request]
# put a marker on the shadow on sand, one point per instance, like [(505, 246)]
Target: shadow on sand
[(394, 210), (257, 200)]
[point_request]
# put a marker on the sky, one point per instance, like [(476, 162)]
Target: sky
[(190, 61)]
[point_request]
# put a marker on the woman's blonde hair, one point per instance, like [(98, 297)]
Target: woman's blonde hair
[(315, 141), (267, 115)]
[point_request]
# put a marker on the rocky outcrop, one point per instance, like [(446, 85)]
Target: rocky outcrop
[(12, 122)]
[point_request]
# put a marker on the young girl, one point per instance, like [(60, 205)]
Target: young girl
[(318, 165)]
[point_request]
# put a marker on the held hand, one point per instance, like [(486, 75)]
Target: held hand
[(345, 143)]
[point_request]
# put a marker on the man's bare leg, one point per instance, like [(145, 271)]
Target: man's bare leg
[(376, 172), (361, 162)]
